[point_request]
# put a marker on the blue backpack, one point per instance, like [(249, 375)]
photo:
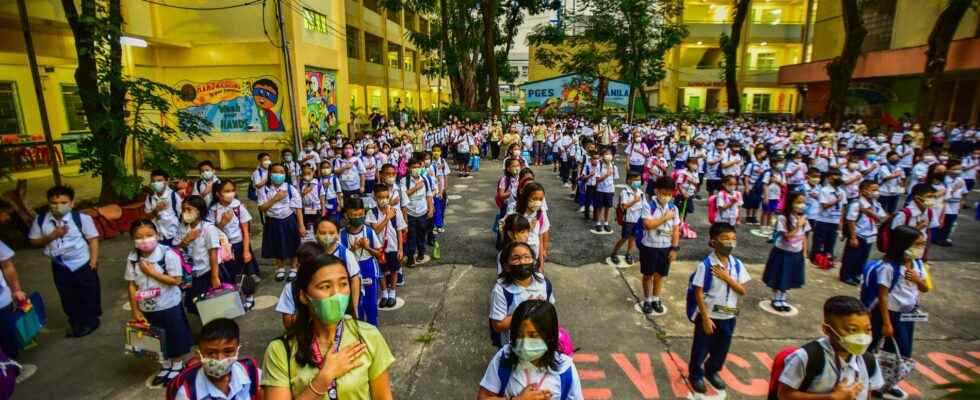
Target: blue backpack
[(690, 302), (253, 194), (509, 299), (504, 373), (869, 285), (639, 230), (757, 185), (76, 217)]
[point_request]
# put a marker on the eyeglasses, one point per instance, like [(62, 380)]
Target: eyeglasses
[(522, 259)]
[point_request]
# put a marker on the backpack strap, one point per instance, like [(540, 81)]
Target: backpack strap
[(508, 297), (41, 215), (814, 364), (566, 383), (77, 218), (503, 374), (870, 363), (548, 290), (173, 201), (252, 369)]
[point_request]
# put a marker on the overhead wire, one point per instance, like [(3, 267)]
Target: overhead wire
[(216, 8)]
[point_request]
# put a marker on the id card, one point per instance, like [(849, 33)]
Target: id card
[(914, 316), (725, 310), (147, 294)]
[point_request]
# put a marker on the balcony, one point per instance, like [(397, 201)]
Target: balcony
[(707, 29), (777, 32), (704, 76), (761, 76)]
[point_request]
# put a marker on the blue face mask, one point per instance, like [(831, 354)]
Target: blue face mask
[(277, 179), (872, 157)]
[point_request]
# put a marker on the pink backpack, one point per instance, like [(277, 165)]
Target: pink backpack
[(565, 344), (402, 167), (712, 208)]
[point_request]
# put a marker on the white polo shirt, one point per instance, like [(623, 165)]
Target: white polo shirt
[(636, 210), (416, 203), (638, 152), (660, 237), (311, 199), (167, 219), (389, 233), (240, 215), (865, 227), (828, 194), (791, 243), (198, 249), (285, 207), (724, 199), (151, 294), (606, 185), (499, 310), (199, 186), (720, 293), (904, 297), (351, 178), (70, 250), (848, 371), (525, 374), (5, 296), (238, 386)]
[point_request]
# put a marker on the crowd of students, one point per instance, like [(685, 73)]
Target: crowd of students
[(340, 219)]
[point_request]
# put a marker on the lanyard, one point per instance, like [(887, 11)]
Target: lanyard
[(318, 358), (527, 378)]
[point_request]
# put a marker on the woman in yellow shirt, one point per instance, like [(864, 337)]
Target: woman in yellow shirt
[(308, 362)]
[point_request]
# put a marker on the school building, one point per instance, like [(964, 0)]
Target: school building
[(349, 58), (772, 36), (887, 78)]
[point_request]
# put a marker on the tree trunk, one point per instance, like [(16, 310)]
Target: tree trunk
[(939, 41), (841, 68), (730, 48), (600, 98), (489, 57), (645, 100)]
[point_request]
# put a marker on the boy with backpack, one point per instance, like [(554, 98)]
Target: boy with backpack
[(712, 305), (658, 237), (631, 205), (837, 365), (218, 372), (861, 228), (367, 248), (163, 204)]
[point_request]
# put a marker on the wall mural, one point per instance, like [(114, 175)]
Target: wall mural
[(321, 99), (235, 104)]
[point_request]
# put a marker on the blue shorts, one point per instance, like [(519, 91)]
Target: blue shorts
[(603, 200), (770, 206), (391, 264), (628, 230)]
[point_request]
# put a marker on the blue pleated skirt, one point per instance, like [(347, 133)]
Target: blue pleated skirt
[(784, 270)]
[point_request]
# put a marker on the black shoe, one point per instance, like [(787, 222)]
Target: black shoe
[(614, 259), (698, 387), (629, 259), (401, 279), (161, 378), (85, 330), (785, 307), (851, 281), (383, 303), (607, 228), (647, 307), (775, 305), (658, 307), (410, 261), (420, 259), (945, 243), (716, 381)]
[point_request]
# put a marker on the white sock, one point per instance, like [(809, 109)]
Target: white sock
[(177, 366), (393, 295), (166, 364), (656, 298), (649, 299)]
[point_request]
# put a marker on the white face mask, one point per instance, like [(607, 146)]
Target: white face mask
[(189, 216), (228, 196), (855, 344), (217, 367), (534, 205), (915, 252)]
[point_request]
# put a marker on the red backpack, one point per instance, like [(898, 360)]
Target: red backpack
[(814, 366), (185, 380), (885, 230)]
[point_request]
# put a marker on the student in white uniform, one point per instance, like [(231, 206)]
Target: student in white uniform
[(154, 273), (71, 240), (606, 174), (520, 281), (367, 247), (848, 370), (918, 212), (330, 184), (532, 366), (205, 186), (293, 168), (728, 201), (221, 374), (232, 217), (531, 205), (163, 204), (956, 188), (832, 199), (417, 205), (350, 169), (199, 241), (312, 191), (632, 201), (388, 224), (283, 227), (659, 244), (715, 306), (892, 180), (785, 267), (862, 219), (309, 156), (11, 296)]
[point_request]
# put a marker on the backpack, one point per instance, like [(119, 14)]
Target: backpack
[(757, 185), (225, 252), (814, 366), (869, 285), (186, 268), (173, 203), (712, 208), (639, 230), (509, 299), (690, 302), (885, 230), (76, 217), (186, 379), (504, 372)]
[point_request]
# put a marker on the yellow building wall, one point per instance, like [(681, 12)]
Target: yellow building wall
[(914, 20)]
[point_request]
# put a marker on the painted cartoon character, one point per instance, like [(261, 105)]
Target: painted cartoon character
[(265, 92)]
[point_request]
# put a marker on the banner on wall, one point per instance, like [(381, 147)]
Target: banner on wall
[(321, 99), (568, 92), (235, 104)]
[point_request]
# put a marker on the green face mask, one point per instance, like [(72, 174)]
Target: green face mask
[(331, 309), (530, 349)]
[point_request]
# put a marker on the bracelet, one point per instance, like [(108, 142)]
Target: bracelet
[(312, 389)]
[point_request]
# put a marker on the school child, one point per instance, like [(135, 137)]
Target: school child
[(388, 224), (785, 266), (231, 217), (163, 204), (416, 203), (462, 142), (532, 367), (219, 373), (531, 205), (440, 170), (891, 178), (659, 244), (588, 177), (606, 175), (205, 186), (713, 161), (474, 161), (515, 228), (350, 169), (309, 156), (199, 241), (775, 186), (259, 179), (631, 202), (154, 273), (847, 369), (520, 281), (11, 296), (71, 240), (304, 253), (715, 294), (312, 193), (686, 180), (282, 205), (852, 176), (293, 169), (433, 182), (891, 291), (330, 185), (728, 201), (918, 212), (638, 153), (862, 219), (832, 200), (367, 247), (956, 188), (755, 178), (371, 166)]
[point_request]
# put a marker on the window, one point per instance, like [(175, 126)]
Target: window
[(394, 16), (760, 102), (371, 5), (9, 109), (74, 111), (423, 26), (765, 61), (394, 56), (409, 19), (410, 61), (372, 48), (314, 21), (353, 42)]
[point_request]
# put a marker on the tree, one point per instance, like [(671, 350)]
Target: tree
[(939, 41), (119, 108), (633, 48), (840, 69), (729, 46), (489, 11)]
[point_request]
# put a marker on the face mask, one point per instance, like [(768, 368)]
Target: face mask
[(852, 166), (189, 217), (607, 157), (855, 344), (872, 157), (813, 181), (636, 185), (726, 247), (158, 186), (515, 171), (327, 240), (779, 166), (534, 205), (146, 245), (277, 179), (369, 152), (798, 208), (383, 203), (331, 309), (60, 209), (266, 163), (874, 195), (664, 199), (308, 178), (207, 175), (326, 171), (218, 367), (530, 349), (287, 158), (390, 180), (522, 271), (516, 153), (355, 222), (436, 154), (915, 252), (893, 162)]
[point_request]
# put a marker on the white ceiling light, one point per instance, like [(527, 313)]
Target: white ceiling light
[(131, 41)]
